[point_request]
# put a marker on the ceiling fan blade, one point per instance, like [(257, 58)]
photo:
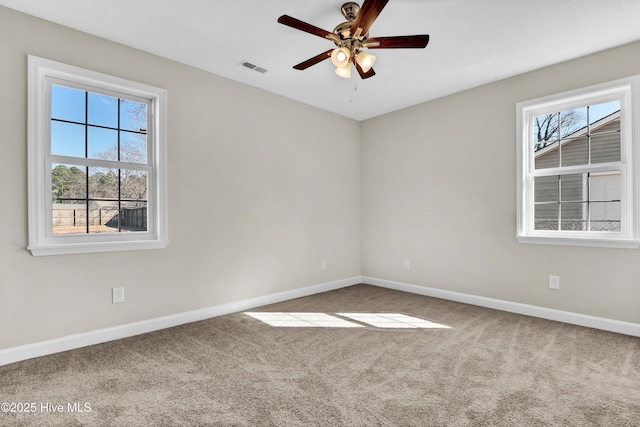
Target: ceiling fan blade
[(313, 61), (307, 28), (364, 75), (397, 42), (367, 15)]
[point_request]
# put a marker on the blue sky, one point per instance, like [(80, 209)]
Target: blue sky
[(68, 139), (596, 112)]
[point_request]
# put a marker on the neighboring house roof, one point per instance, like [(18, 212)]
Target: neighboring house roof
[(544, 147)]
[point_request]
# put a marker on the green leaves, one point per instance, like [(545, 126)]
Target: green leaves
[(71, 182)]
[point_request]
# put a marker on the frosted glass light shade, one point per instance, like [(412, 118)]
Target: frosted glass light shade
[(365, 61), (340, 57), (344, 71)]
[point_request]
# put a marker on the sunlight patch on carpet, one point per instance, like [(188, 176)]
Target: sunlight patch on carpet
[(303, 320), (344, 320), (393, 320)]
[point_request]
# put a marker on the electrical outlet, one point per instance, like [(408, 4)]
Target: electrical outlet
[(554, 282), (117, 295), (407, 264), (323, 264)]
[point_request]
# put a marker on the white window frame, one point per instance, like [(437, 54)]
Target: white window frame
[(41, 73), (628, 92)]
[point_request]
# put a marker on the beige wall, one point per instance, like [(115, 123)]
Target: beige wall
[(256, 201), (439, 189)]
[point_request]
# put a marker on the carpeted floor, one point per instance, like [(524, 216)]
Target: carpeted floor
[(462, 366)]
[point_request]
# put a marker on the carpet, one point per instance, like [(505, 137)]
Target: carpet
[(357, 356)]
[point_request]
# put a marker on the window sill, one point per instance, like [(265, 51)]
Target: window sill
[(573, 241), (85, 248)]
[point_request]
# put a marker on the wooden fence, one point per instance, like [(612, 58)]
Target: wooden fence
[(77, 217)]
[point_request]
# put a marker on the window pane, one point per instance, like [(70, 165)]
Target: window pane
[(102, 143), (67, 139), (600, 116), (573, 216), (546, 216), (103, 217), (133, 147), (575, 151), (605, 216), (110, 208), (605, 187), (67, 103), (134, 185), (68, 217), (69, 206), (545, 128), (546, 189), (605, 147), (545, 137), (547, 156), (133, 115), (103, 110), (571, 188), (72, 213), (103, 183), (133, 216), (68, 182), (573, 121)]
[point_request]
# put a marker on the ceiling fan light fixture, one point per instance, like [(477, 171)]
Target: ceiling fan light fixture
[(344, 71), (365, 61), (340, 57), (351, 37)]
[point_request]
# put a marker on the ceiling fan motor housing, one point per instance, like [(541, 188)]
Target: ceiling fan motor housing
[(350, 10), (343, 30)]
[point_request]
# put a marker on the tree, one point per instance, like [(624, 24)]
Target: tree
[(104, 185), (134, 185), (60, 181), (68, 183), (555, 126)]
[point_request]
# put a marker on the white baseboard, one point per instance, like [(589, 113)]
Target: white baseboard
[(70, 342), (618, 326), (29, 351)]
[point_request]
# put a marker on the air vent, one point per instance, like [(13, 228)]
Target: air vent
[(253, 67)]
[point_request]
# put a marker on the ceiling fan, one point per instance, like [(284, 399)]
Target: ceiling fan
[(351, 37)]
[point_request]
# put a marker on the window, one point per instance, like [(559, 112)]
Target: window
[(578, 167), (97, 162)]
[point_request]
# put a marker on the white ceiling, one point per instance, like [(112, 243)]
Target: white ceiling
[(472, 42)]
